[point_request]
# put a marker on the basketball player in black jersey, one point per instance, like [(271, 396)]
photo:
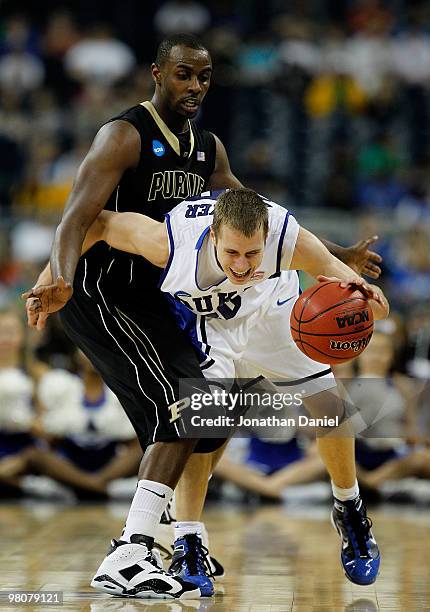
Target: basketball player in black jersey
[(146, 160)]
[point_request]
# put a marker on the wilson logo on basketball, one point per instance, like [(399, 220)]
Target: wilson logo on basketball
[(355, 345), (352, 319)]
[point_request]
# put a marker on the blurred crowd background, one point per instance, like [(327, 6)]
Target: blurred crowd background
[(323, 106)]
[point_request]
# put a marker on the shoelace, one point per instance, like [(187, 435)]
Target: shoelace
[(360, 528), (195, 555)]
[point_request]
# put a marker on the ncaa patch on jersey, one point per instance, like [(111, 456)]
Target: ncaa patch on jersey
[(158, 148), (201, 156)]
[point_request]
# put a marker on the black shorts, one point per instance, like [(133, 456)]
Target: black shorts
[(133, 340)]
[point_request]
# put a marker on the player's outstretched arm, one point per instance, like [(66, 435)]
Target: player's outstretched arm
[(134, 233), (129, 232), (314, 258), (358, 256)]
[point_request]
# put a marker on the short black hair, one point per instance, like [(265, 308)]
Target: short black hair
[(167, 44)]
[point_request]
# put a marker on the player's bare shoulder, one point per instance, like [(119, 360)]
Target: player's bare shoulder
[(119, 142)]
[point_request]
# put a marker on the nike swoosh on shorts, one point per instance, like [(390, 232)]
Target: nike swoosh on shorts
[(281, 303)]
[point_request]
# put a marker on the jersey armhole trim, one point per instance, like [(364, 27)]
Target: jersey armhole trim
[(171, 249), (281, 243)]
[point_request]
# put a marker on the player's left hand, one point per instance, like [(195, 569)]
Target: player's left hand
[(371, 292), (35, 318), (361, 259), (46, 299)]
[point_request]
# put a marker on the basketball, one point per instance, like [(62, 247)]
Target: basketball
[(331, 324)]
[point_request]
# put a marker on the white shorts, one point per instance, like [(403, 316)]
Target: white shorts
[(262, 346)]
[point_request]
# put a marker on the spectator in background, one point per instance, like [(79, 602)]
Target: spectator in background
[(181, 16), (334, 91), (86, 423), (414, 208), (31, 241), (223, 43), (379, 186), (418, 342), (255, 66), (338, 191), (383, 453), (11, 169), (48, 119), (90, 443), (99, 57), (270, 467), (298, 60), (367, 54), (362, 14), (61, 34), (408, 267), (21, 70), (410, 63), (17, 394)]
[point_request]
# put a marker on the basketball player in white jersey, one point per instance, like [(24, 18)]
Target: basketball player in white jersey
[(214, 267)]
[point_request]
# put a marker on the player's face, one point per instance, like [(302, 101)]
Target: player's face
[(184, 79), (238, 255)]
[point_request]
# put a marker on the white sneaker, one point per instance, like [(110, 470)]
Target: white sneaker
[(136, 570)]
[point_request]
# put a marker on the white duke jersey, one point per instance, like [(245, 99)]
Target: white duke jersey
[(192, 275)]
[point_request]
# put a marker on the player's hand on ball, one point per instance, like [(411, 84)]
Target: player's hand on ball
[(371, 292), (361, 259), (46, 299)]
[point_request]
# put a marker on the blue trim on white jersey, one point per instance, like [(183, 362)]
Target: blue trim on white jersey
[(197, 248), (172, 250), (281, 243), (202, 237)]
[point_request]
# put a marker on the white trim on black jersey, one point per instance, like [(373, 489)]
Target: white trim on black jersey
[(171, 138)]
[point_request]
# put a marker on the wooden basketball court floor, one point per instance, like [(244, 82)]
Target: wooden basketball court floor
[(278, 559)]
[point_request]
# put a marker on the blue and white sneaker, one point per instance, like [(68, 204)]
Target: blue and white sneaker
[(189, 562), (360, 554), (164, 539)]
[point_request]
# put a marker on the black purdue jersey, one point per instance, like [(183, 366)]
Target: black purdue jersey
[(170, 169)]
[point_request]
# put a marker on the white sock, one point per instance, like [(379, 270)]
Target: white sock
[(148, 504), (205, 536), (345, 494), (172, 509), (183, 528)]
